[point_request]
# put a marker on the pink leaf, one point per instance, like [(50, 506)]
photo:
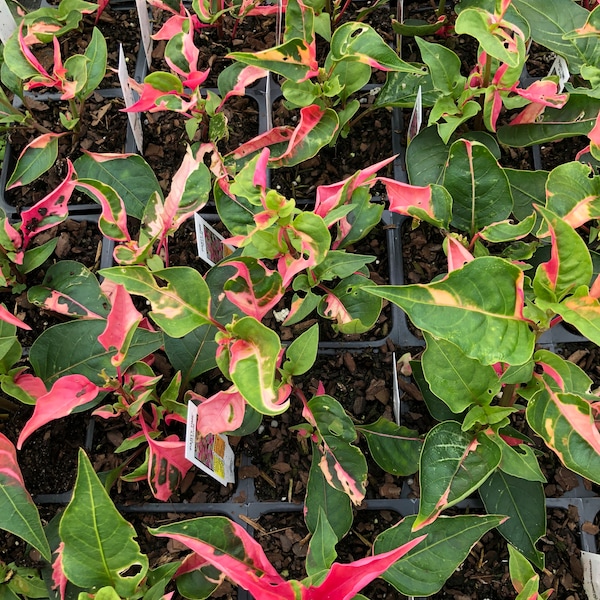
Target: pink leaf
[(8, 462), (275, 135), (33, 386), (50, 210), (121, 324), (67, 393), (30, 56), (167, 464), (336, 309), (102, 4), (344, 581), (335, 194), (543, 92), (59, 578), (458, 255), (172, 26), (222, 412), (403, 196), (8, 317), (260, 174)]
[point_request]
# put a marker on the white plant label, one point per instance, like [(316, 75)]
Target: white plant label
[(395, 390), (211, 453), (145, 31), (559, 67), (211, 248), (416, 119), (7, 22), (134, 118), (591, 574)]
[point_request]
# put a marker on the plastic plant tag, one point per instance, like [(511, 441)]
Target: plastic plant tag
[(591, 574), (559, 67), (134, 118), (395, 390), (7, 22), (416, 119), (211, 453), (142, 10), (211, 248)]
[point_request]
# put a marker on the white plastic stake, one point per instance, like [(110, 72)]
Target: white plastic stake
[(145, 31), (395, 390), (7, 22), (591, 574), (134, 118), (416, 119), (559, 67)]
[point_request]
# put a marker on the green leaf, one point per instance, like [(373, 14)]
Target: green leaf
[(82, 353), (36, 160), (35, 257), (302, 352), (519, 461), (576, 117), (481, 24), (99, 546), (425, 569), (96, 53), (454, 463), (321, 549), (458, 380), (194, 353), (360, 42), (507, 231), (394, 448), (129, 175), (524, 502), (477, 308), (18, 513), (426, 157), (179, 296), (321, 496), (479, 188), (444, 66), (550, 23)]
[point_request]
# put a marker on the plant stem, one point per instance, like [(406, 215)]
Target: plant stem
[(508, 395), (441, 8)]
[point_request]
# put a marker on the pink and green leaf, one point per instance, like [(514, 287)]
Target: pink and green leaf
[(295, 59), (430, 203), (180, 302), (253, 288), (228, 547), (565, 421), (449, 477), (18, 513), (570, 264), (67, 394), (486, 296), (35, 159), (573, 193), (344, 581), (315, 130), (167, 464), (250, 353), (343, 464), (50, 210), (113, 220)]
